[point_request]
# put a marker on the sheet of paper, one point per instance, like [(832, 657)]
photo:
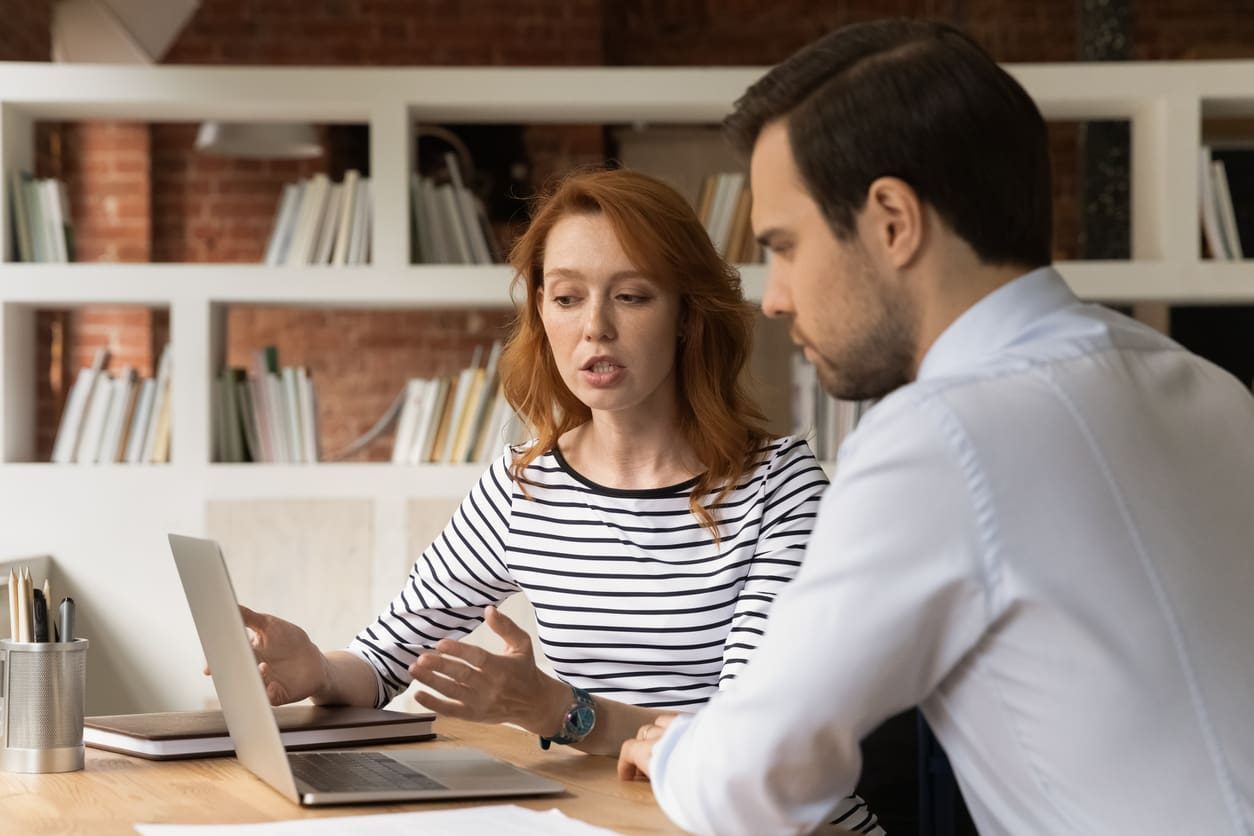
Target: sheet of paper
[(506, 818)]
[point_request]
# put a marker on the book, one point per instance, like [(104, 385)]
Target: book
[(1238, 163), (1227, 212), (203, 734)]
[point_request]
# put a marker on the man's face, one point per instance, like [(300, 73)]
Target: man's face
[(855, 321)]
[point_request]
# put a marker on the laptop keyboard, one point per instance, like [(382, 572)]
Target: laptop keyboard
[(357, 772)]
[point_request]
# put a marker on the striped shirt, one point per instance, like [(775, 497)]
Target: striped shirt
[(634, 600)]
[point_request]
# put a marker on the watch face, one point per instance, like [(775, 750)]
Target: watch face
[(581, 719)]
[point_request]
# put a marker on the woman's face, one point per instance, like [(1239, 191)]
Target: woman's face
[(612, 329)]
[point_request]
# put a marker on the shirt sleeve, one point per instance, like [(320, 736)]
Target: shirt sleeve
[(791, 492), (456, 577), (892, 594)]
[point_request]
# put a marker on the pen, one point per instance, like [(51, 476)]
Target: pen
[(14, 630), (39, 615), (67, 619), (48, 605), (23, 608)]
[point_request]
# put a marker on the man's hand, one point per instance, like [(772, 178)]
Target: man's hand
[(473, 684), (633, 758)]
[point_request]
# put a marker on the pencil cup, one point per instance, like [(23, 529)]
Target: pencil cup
[(42, 686)]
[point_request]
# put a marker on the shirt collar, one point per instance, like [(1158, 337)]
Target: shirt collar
[(996, 320)]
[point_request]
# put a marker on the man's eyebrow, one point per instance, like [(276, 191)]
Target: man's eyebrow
[(764, 237)]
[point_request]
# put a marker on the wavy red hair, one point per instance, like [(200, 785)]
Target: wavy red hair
[(662, 236)]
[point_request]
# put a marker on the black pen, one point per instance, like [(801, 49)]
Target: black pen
[(67, 619), (40, 616)]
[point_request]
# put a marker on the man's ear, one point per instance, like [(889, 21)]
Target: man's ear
[(894, 219)]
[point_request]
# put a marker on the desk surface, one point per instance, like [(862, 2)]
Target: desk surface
[(115, 791)]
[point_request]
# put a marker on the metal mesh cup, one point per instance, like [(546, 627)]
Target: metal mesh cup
[(42, 686)]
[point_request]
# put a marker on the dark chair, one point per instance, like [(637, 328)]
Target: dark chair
[(940, 802)]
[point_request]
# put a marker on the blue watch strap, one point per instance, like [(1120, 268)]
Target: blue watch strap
[(579, 721)]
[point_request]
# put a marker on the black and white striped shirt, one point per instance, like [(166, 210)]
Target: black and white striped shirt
[(634, 600)]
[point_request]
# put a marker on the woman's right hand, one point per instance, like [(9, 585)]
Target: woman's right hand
[(292, 667)]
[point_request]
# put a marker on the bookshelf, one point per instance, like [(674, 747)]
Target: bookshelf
[(105, 525)]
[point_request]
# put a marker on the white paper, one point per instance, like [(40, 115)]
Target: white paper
[(492, 819)]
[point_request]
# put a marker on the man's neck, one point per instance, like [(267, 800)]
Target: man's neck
[(957, 281)]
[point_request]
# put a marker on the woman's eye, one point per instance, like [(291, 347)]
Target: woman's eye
[(563, 301), (632, 299)]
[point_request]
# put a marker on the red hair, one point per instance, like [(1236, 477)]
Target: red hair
[(662, 236)]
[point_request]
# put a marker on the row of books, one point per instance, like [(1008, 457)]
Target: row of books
[(1226, 197), (450, 223), (822, 420), (41, 218), (321, 222), (464, 418), (724, 210), (266, 413), (116, 419)]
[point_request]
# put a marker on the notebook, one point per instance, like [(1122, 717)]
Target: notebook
[(316, 778), (201, 734)]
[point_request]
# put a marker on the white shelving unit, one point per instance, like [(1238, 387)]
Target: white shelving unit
[(105, 525)]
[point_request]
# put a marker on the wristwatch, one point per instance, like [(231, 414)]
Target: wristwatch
[(578, 722)]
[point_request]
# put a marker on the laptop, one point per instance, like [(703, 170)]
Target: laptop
[(318, 778)]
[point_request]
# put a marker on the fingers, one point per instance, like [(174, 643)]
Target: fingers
[(664, 720), (650, 733), (633, 760), (501, 624), (475, 656), (251, 618), (447, 708), (447, 686)]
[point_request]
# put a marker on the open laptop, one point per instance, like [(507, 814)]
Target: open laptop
[(315, 778)]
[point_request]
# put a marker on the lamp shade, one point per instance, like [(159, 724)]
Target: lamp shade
[(271, 140)]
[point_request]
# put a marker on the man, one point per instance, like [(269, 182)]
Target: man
[(1042, 534)]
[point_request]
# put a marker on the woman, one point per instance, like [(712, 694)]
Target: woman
[(650, 523)]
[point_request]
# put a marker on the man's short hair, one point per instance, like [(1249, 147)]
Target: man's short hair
[(920, 101)]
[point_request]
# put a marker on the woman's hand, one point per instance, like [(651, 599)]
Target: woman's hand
[(633, 758), (474, 684), (292, 667)]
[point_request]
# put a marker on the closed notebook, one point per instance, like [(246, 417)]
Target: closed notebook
[(198, 734)]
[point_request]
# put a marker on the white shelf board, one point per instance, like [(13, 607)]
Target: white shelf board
[(434, 286), (338, 480), (1198, 283), (253, 481)]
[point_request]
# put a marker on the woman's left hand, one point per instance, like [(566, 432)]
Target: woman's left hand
[(474, 684)]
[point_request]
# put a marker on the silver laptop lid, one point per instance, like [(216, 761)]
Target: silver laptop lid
[(224, 638)]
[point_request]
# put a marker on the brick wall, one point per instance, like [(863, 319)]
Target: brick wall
[(24, 30)]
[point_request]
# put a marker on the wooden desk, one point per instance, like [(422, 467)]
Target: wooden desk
[(116, 791)]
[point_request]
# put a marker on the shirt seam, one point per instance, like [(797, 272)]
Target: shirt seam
[(993, 571), (1166, 610)]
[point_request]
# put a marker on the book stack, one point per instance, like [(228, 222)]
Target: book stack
[(450, 223), (464, 418), (321, 222), (724, 210), (817, 417), (267, 414), (116, 419), (1226, 197), (41, 219)]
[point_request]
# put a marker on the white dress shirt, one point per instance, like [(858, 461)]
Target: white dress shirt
[(1047, 542)]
